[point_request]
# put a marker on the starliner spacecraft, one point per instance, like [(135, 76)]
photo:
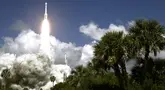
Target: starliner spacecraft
[(46, 14)]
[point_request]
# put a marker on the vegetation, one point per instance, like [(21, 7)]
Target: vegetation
[(52, 79), (107, 70)]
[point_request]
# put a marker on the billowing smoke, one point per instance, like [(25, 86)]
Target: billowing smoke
[(32, 69)]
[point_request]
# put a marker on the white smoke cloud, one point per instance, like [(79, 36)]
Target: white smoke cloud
[(160, 55), (130, 64), (16, 87), (92, 30), (22, 56), (87, 55), (60, 48), (26, 42)]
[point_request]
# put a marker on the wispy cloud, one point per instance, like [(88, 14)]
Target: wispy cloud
[(93, 31)]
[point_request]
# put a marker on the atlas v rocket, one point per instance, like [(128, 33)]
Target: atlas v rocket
[(46, 14)]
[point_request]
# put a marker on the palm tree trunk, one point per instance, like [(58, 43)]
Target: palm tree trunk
[(53, 84), (118, 75), (124, 74), (146, 59)]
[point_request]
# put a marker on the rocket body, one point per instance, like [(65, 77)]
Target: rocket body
[(46, 14), (45, 34)]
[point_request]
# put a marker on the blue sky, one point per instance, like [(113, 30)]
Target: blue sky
[(66, 16)]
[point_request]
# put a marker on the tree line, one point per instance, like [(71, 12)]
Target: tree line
[(107, 70)]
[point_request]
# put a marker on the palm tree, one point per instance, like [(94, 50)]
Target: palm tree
[(6, 75), (53, 79), (110, 52), (78, 73), (25, 89), (148, 35)]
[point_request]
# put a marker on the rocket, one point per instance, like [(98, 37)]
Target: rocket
[(46, 14)]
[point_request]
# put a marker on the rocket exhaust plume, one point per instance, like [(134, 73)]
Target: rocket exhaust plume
[(45, 34)]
